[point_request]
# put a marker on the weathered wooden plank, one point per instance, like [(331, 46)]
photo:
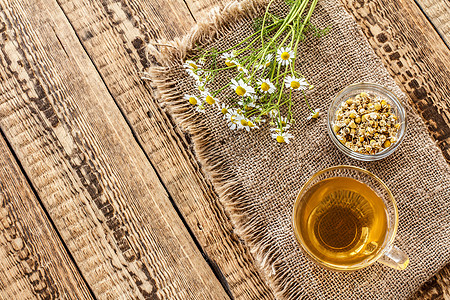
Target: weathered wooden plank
[(33, 261), (95, 182), (438, 12), (115, 35), (437, 287), (414, 54)]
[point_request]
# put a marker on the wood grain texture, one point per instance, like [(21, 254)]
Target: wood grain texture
[(438, 12), (115, 34), (95, 182), (33, 261), (437, 288)]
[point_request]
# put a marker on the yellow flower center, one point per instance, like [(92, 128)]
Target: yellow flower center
[(295, 84), (315, 115), (283, 123), (267, 64), (250, 124), (285, 56), (244, 122), (248, 108), (192, 100), (224, 111), (193, 66), (210, 100), (240, 91), (265, 87), (229, 63), (280, 139)]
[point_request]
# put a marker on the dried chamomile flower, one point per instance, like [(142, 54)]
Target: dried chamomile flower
[(366, 124)]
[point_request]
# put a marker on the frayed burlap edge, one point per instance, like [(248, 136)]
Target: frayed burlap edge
[(230, 191)]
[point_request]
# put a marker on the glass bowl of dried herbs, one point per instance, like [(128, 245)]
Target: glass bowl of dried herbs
[(366, 121)]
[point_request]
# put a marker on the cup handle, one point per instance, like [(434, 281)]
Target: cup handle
[(394, 258)]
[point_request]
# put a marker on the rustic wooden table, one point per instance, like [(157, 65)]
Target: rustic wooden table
[(100, 193)]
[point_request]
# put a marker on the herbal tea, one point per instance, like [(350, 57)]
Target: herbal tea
[(341, 221)]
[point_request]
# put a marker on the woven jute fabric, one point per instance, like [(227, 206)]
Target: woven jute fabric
[(258, 179)]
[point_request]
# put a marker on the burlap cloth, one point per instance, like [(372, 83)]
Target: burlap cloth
[(258, 179)]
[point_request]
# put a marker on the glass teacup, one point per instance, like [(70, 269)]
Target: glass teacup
[(345, 218)]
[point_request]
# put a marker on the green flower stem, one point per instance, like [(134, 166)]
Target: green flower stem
[(220, 69), (263, 23), (221, 89), (305, 21), (290, 106), (281, 94), (251, 53), (293, 13), (278, 72), (307, 103)]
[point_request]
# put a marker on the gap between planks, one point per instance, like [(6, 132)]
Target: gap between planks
[(28, 257)]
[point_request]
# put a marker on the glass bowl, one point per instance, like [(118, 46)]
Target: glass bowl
[(374, 90)]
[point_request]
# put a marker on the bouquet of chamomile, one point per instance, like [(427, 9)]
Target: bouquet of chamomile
[(263, 77)]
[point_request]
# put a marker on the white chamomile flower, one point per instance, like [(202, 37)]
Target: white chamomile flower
[(206, 77), (241, 88), (273, 113), (285, 56), (227, 55), (247, 104), (251, 124), (282, 137), (232, 119), (266, 62), (191, 65), (266, 86), (296, 84), (241, 68), (200, 108), (224, 109), (242, 121), (208, 97), (259, 121), (251, 104), (194, 75), (229, 59), (283, 122), (192, 99), (246, 123), (201, 87), (254, 97), (314, 115)]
